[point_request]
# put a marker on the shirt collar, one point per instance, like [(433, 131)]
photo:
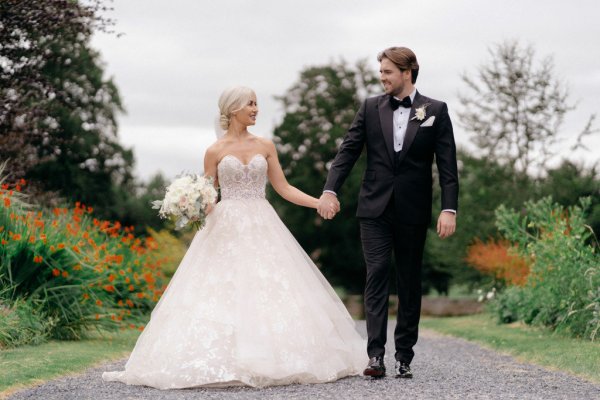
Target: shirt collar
[(412, 95)]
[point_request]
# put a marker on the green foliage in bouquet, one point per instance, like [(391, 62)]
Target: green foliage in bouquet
[(562, 291)]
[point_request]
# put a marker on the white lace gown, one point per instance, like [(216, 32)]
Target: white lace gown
[(246, 306)]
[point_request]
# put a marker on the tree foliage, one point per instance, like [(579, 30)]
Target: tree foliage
[(515, 106), (35, 36), (58, 121)]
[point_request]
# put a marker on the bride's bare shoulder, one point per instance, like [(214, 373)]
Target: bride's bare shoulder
[(214, 149), (266, 143)]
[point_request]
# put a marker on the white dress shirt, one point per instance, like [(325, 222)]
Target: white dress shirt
[(400, 117)]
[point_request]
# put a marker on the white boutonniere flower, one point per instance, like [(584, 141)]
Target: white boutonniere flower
[(420, 113)]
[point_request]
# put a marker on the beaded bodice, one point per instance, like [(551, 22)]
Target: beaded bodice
[(242, 181)]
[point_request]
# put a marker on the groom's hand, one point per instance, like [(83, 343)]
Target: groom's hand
[(446, 225), (328, 206)]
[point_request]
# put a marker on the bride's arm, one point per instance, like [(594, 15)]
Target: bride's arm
[(210, 169), (281, 185)]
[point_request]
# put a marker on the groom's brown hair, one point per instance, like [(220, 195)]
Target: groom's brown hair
[(403, 58)]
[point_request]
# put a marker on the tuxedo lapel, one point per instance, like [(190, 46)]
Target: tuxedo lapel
[(386, 118), (412, 127)]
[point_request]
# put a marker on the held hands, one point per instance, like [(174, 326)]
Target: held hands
[(446, 225), (328, 206)]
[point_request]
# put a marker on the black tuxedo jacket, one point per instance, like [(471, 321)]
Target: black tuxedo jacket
[(407, 175)]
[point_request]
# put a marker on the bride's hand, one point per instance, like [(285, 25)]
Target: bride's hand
[(209, 208)]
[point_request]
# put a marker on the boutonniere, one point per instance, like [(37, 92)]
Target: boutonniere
[(420, 113)]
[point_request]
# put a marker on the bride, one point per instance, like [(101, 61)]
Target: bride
[(247, 306)]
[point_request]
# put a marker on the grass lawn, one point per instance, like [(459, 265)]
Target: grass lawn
[(528, 344), (28, 365)]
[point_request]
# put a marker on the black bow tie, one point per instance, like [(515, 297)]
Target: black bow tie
[(395, 103)]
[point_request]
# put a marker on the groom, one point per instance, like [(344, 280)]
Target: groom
[(402, 131)]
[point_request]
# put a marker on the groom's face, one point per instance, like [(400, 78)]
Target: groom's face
[(394, 80)]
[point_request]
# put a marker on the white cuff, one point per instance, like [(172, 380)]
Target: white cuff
[(330, 191), (450, 210)]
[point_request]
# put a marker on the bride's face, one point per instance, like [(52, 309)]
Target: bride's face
[(247, 114)]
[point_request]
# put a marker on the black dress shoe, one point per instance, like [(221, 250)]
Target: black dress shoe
[(403, 370), (375, 368)]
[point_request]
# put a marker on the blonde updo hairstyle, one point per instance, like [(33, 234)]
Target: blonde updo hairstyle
[(232, 100)]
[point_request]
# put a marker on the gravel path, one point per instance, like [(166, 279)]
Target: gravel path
[(444, 368)]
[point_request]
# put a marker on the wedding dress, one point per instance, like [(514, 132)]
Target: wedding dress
[(247, 306)]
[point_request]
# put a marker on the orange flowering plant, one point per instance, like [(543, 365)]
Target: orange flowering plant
[(499, 259), (83, 272)]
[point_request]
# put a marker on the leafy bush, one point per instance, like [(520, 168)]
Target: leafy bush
[(562, 290), (83, 272)]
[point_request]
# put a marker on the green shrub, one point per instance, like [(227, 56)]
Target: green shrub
[(562, 290)]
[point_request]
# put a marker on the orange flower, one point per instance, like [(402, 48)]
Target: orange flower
[(86, 296), (43, 237), (127, 280), (65, 274), (99, 302), (55, 272), (109, 288), (77, 267), (17, 237), (38, 259), (6, 202), (61, 245), (495, 258), (97, 316), (131, 288), (90, 209), (5, 186), (149, 278), (31, 239), (39, 223), (121, 272), (111, 278), (76, 249), (141, 328), (129, 303), (140, 295), (120, 303)]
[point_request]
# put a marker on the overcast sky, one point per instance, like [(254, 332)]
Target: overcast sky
[(177, 56)]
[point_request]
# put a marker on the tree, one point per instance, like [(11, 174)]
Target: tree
[(515, 107), (29, 31), (569, 182), (58, 120), (319, 108)]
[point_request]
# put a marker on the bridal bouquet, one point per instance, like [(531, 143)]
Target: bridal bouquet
[(186, 200)]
